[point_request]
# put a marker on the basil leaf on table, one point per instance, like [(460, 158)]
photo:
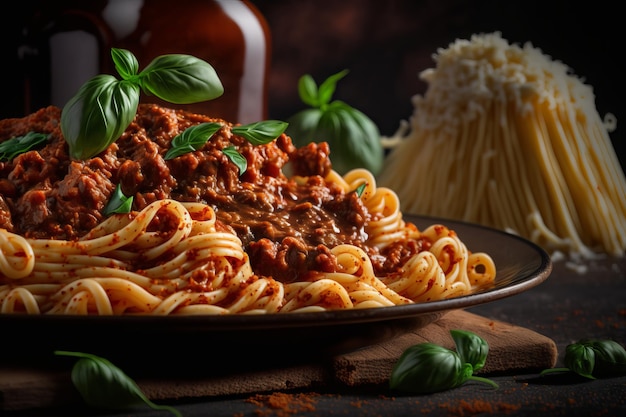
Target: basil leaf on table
[(593, 358), (353, 137), (580, 359), (103, 385), (427, 367), (472, 348), (610, 357)]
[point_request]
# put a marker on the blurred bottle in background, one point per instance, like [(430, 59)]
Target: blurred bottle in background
[(67, 42)]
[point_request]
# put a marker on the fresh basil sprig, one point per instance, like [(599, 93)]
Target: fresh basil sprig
[(194, 137), (17, 145), (593, 358), (353, 137), (118, 203), (104, 385), (428, 367), (104, 106)]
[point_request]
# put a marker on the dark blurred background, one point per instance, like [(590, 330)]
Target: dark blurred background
[(385, 44)]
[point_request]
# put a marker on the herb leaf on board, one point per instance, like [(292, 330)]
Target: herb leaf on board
[(103, 385)]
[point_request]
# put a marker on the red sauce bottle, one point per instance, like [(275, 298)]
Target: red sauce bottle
[(69, 41)]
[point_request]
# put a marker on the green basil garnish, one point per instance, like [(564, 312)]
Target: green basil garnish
[(261, 133), (118, 203), (15, 146), (126, 63), (181, 79), (104, 107), (98, 115), (236, 158), (359, 190), (192, 139)]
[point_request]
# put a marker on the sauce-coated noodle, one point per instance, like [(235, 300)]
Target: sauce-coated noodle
[(123, 266)]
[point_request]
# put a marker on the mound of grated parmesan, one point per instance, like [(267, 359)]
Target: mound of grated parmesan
[(507, 137)]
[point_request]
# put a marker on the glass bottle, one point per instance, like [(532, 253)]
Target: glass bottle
[(69, 41)]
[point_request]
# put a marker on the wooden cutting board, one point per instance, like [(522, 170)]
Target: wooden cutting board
[(512, 349)]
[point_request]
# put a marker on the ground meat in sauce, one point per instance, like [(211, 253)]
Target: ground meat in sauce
[(45, 194)]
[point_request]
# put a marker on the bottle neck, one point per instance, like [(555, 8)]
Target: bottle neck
[(252, 84)]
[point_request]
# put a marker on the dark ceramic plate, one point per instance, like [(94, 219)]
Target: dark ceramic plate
[(214, 340)]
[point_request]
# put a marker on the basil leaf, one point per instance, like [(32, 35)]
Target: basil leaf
[(359, 190), (593, 358), (238, 159), (354, 139), (472, 348), (609, 357), (307, 89), (181, 79), (304, 127), (98, 115), (192, 139), (328, 86), (426, 368), (125, 63), (580, 359), (104, 385), (104, 107), (15, 146), (118, 203), (260, 133)]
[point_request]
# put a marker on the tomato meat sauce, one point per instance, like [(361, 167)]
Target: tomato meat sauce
[(286, 215)]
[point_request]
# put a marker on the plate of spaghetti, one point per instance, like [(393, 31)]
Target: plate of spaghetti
[(288, 256)]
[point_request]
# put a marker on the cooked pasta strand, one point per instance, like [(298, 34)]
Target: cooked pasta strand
[(124, 267)]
